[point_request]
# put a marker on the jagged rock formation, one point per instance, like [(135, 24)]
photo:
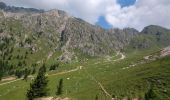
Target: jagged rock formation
[(18, 9), (152, 36), (55, 29)]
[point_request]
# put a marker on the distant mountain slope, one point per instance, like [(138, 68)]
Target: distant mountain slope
[(18, 9), (67, 32), (152, 36), (36, 35)]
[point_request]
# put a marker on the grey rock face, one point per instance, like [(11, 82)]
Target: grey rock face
[(67, 34), (13, 9)]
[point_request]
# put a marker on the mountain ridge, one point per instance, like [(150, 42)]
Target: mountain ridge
[(18, 9), (121, 64), (68, 34)]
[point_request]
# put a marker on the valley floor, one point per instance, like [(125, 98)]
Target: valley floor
[(107, 79)]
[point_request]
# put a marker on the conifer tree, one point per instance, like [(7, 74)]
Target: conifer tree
[(39, 86), (96, 98), (1, 74), (150, 95), (33, 71), (60, 87)]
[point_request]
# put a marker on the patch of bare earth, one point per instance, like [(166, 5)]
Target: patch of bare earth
[(53, 98), (8, 79), (165, 52), (49, 55)]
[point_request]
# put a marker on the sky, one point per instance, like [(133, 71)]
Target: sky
[(108, 13)]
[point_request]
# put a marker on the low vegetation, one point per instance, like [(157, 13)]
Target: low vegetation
[(51, 54), (146, 81)]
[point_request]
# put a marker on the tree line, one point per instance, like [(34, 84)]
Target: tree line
[(38, 88)]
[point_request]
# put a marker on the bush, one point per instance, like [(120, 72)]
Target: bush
[(53, 67)]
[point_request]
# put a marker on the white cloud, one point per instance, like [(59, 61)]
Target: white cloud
[(139, 15), (89, 10)]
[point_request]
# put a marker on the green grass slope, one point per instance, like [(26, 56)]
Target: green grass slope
[(117, 78)]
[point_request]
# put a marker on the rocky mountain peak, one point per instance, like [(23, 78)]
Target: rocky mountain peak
[(55, 12), (153, 29), (69, 34), (13, 9), (2, 5)]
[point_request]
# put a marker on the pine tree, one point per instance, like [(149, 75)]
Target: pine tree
[(1, 69), (19, 73), (150, 95), (25, 76), (39, 86), (60, 87), (53, 67), (26, 73), (1, 74), (96, 98), (33, 71)]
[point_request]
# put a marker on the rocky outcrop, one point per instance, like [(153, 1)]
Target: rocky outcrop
[(67, 33), (13, 9), (165, 52)]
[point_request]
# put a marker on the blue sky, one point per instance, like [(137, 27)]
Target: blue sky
[(123, 3), (103, 23)]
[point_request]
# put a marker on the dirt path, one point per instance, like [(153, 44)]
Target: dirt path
[(65, 72), (99, 84), (60, 73), (104, 90), (122, 57), (165, 52), (73, 70), (49, 55), (108, 59), (10, 81)]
